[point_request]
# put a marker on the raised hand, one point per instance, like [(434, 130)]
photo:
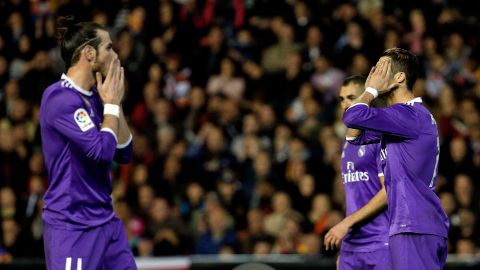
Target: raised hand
[(112, 89), (380, 76)]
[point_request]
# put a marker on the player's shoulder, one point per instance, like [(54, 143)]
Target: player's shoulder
[(61, 91), (59, 98)]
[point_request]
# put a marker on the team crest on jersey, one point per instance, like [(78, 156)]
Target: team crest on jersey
[(82, 119), (361, 151)]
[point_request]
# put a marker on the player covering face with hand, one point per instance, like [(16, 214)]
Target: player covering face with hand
[(83, 131), (364, 231), (409, 141)]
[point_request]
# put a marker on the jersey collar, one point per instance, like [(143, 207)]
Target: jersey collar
[(76, 87), (417, 99)]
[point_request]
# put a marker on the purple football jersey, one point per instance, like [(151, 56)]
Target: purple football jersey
[(78, 155), (361, 168), (410, 146)]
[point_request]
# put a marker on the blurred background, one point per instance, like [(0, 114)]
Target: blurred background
[(237, 127)]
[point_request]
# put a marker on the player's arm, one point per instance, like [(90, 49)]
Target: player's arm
[(359, 137), (396, 120), (123, 153), (334, 236), (111, 91), (69, 117)]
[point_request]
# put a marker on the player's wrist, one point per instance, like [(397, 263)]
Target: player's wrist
[(372, 91), (111, 109)]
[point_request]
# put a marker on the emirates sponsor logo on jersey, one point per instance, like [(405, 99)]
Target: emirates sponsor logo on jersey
[(354, 176)]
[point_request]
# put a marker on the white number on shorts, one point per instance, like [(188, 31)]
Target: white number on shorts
[(68, 263)]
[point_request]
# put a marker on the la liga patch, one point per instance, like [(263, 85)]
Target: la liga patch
[(83, 120)]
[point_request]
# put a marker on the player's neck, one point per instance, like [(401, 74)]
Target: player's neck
[(400, 95), (81, 76)]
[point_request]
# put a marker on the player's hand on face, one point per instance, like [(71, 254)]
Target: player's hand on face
[(334, 236), (380, 76), (112, 88)]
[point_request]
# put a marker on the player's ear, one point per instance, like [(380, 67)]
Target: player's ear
[(90, 53), (399, 77)]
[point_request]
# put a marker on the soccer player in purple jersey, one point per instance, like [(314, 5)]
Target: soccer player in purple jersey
[(410, 147), (83, 130), (365, 229)]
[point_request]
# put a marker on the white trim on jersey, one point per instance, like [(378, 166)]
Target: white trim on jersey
[(411, 102), (71, 84), (109, 130), (350, 138), (123, 145), (356, 104)]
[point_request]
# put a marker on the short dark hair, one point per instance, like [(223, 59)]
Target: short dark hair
[(72, 37), (354, 79), (404, 61)]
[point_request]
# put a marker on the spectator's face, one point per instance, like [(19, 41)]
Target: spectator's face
[(262, 248), (458, 149), (250, 125), (227, 67), (36, 185), (463, 186), (194, 193), (197, 97), (244, 37), (217, 221), (392, 39), (448, 202), (360, 64), (24, 44), (155, 73), (307, 185), (145, 247), (321, 204), (215, 36), (215, 141), (291, 227), (281, 202), (145, 196), (312, 243), (157, 46), (11, 89), (348, 94), (105, 53), (465, 247), (262, 164), (19, 110), (7, 197), (159, 210), (267, 116), (36, 163), (469, 113), (321, 64), (166, 14), (140, 174), (314, 36), (255, 221), (10, 231)]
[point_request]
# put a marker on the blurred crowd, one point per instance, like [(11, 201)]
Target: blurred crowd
[(237, 128)]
